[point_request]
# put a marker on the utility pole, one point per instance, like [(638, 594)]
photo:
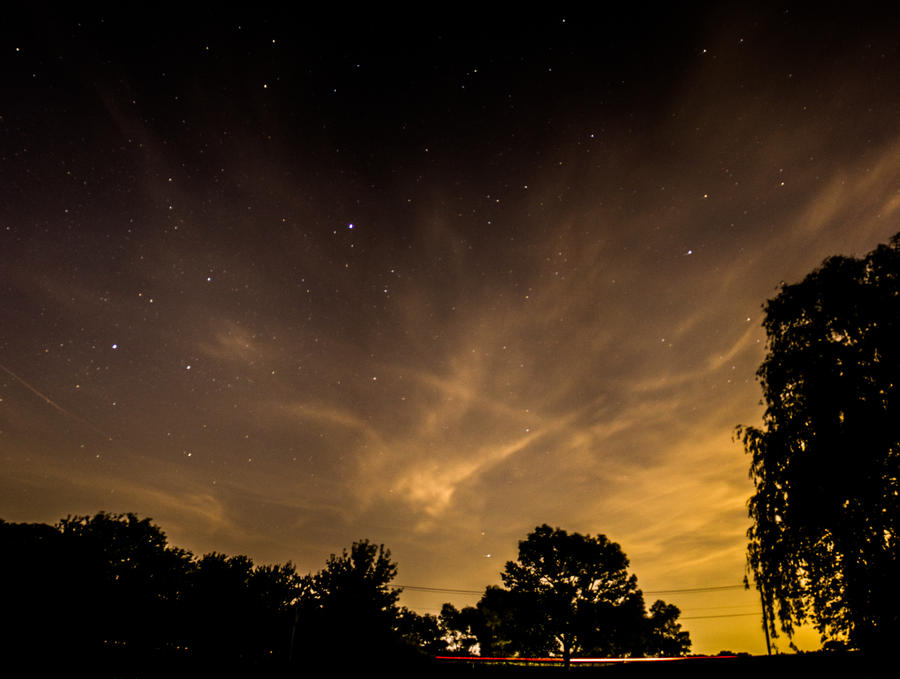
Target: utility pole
[(765, 614), (765, 619)]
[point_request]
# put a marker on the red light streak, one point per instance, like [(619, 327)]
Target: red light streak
[(580, 660)]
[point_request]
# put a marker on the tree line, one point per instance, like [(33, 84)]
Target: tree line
[(110, 591)]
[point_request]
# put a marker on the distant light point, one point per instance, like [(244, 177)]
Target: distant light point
[(350, 225), (115, 346)]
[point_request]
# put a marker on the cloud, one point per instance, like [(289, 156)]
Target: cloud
[(232, 342)]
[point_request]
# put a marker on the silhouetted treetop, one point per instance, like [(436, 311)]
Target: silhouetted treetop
[(109, 592), (360, 578), (566, 593), (823, 544)]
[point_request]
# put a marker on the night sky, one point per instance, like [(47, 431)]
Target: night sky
[(282, 282)]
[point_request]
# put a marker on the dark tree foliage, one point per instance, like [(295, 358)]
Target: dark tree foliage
[(128, 581), (240, 613), (91, 590), (503, 624), (664, 636), (567, 594), (462, 630), (108, 592), (823, 543), (275, 589), (356, 587), (37, 591), (423, 632), (349, 610)]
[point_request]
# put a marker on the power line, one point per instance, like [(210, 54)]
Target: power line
[(723, 615), (692, 590), (416, 588)]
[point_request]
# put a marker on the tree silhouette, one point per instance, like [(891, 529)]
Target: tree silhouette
[(823, 543), (567, 593), (126, 582), (349, 608), (664, 635), (37, 591), (503, 624), (462, 629), (108, 592), (238, 613), (275, 589), (423, 632)]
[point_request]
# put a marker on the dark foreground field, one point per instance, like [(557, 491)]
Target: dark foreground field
[(744, 667)]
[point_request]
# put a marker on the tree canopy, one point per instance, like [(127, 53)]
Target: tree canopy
[(109, 592), (351, 605), (823, 543), (351, 602), (565, 594)]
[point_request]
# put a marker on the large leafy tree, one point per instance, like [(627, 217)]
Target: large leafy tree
[(581, 585), (350, 609), (108, 590), (823, 543), (127, 580), (664, 636), (565, 594), (40, 596), (236, 612)]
